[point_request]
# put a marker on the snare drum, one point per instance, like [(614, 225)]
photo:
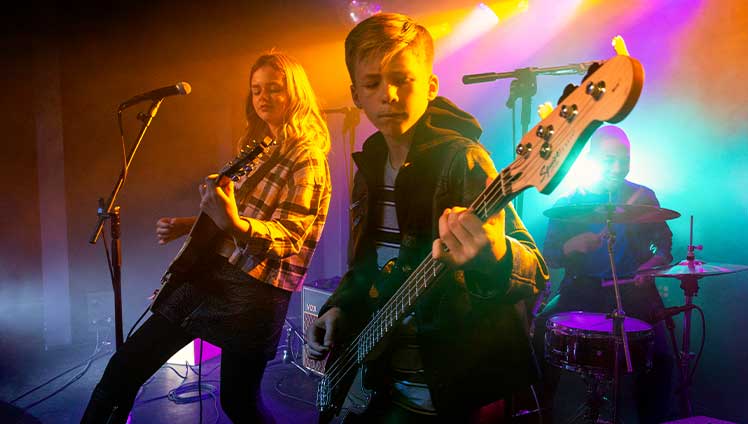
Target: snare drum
[(584, 342)]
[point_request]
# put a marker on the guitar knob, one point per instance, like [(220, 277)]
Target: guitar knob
[(524, 149), (574, 113), (569, 112), (545, 150), (595, 90)]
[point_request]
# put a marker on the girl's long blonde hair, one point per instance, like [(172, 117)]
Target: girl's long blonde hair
[(303, 121)]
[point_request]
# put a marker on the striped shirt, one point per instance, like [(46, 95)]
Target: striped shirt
[(409, 389), (387, 233), (286, 211)]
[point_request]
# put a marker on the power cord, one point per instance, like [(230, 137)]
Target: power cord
[(181, 394), (701, 347), (97, 353)]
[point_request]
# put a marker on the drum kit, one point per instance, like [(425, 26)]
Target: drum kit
[(590, 344)]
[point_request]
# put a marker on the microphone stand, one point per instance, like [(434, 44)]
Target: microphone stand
[(523, 87), (108, 210)]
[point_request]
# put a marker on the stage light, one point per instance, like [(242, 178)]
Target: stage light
[(478, 21), (506, 9), (486, 14), (440, 30), (585, 173), (360, 10)]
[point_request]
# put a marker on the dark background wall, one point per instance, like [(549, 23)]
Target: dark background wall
[(75, 63)]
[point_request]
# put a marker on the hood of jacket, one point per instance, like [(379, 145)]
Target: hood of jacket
[(442, 123)]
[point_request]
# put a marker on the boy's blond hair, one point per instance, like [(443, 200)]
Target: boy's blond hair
[(386, 35)]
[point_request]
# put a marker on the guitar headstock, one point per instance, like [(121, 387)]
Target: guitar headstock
[(546, 152), (245, 161)]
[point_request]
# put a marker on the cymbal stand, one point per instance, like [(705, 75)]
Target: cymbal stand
[(618, 316), (690, 286)]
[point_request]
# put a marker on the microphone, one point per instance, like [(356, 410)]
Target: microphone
[(179, 89)]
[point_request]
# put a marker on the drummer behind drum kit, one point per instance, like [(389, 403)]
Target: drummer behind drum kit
[(590, 343)]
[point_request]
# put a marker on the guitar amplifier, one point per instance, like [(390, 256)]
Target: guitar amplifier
[(313, 296)]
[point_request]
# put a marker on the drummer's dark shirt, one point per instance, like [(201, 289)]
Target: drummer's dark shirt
[(634, 245)]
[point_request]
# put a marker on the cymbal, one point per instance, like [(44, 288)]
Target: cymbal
[(696, 269), (599, 213)]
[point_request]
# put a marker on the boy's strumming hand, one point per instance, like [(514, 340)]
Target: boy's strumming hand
[(465, 239), (320, 336)]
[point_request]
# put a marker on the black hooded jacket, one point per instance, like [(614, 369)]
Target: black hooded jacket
[(473, 340)]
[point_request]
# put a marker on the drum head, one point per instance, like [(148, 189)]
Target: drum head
[(594, 321)]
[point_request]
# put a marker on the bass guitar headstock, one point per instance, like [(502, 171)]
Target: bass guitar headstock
[(548, 150)]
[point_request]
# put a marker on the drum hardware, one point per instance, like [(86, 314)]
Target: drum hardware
[(584, 342), (617, 214), (688, 272), (618, 316), (595, 399), (609, 214)]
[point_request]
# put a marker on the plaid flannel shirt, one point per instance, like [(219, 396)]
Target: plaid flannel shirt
[(286, 212)]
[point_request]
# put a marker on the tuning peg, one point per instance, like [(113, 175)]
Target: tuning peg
[(544, 110), (620, 46)]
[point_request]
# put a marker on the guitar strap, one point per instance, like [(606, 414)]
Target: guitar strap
[(255, 177)]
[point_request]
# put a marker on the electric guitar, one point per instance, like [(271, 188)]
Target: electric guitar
[(543, 158), (205, 234)]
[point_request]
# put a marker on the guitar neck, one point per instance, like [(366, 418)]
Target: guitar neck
[(495, 197)]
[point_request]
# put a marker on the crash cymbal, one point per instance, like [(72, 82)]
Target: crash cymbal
[(599, 213), (696, 269)]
